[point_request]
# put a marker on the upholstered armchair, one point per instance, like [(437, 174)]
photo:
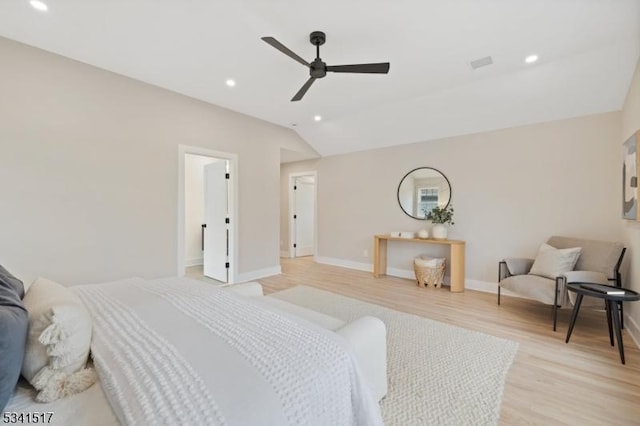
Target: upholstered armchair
[(577, 260)]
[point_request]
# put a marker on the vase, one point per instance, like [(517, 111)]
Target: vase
[(439, 231), (423, 233)]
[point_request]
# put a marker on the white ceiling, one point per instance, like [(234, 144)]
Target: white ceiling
[(588, 50)]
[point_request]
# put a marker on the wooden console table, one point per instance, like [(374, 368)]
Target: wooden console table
[(456, 249)]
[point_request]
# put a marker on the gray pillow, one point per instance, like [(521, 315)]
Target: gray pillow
[(6, 279), (14, 322), (552, 262)]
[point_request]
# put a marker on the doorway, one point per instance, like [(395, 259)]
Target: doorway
[(302, 214), (207, 231)]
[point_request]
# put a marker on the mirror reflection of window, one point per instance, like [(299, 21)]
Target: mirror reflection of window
[(427, 200), (421, 190)]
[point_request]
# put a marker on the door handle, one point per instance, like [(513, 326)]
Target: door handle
[(204, 225)]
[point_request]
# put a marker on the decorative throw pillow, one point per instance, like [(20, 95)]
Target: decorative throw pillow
[(14, 323), (58, 341), (9, 281), (552, 262)]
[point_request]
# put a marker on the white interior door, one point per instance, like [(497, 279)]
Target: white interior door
[(304, 198), (216, 216)]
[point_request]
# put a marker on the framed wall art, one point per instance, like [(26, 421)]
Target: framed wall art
[(630, 178)]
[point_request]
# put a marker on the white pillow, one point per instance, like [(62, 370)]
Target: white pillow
[(58, 341), (552, 262)]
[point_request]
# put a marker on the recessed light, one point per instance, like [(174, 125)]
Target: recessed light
[(317, 118), (38, 5), (531, 59), (230, 83)]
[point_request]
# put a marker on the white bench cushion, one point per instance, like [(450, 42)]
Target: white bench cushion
[(366, 336)]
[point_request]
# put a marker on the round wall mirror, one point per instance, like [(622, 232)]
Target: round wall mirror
[(421, 190)]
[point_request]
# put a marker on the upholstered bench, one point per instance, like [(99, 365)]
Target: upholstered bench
[(366, 336)]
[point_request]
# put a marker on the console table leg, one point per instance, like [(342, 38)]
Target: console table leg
[(457, 268), (379, 257)]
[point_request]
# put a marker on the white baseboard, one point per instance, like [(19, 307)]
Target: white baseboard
[(284, 253), (469, 284), (196, 261), (359, 266), (632, 328), (401, 273), (260, 273), (304, 251), (484, 286)]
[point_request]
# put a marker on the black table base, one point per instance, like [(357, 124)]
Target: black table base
[(613, 313)]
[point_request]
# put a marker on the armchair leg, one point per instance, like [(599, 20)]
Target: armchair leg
[(621, 315), (555, 307), (499, 276)]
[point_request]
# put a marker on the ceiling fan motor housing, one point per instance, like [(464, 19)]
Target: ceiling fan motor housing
[(317, 68), (317, 38)]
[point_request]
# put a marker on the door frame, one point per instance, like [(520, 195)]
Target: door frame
[(233, 206), (292, 179)]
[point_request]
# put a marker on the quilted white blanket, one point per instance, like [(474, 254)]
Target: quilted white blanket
[(179, 351)]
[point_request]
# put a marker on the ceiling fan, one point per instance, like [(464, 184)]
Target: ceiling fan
[(318, 68)]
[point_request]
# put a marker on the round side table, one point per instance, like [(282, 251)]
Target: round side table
[(611, 302)]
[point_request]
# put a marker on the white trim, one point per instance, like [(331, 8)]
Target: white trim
[(260, 273), (484, 286), (367, 267), (233, 206), (304, 251), (196, 261), (401, 273), (469, 284), (284, 253), (632, 329), (291, 181)]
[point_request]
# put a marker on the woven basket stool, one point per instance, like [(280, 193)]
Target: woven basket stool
[(429, 271)]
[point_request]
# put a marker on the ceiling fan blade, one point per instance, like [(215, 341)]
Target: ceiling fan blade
[(303, 90), (284, 49), (379, 68)]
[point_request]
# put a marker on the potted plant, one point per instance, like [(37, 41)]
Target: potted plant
[(441, 217)]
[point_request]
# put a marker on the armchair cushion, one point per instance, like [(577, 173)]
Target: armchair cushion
[(598, 256), (586, 277), (552, 262), (518, 265), (535, 287)]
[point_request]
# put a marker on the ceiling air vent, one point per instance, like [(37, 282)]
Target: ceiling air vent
[(482, 62)]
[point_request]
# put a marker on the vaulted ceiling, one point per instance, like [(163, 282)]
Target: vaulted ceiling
[(587, 52)]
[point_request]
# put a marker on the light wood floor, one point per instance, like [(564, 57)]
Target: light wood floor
[(549, 383)]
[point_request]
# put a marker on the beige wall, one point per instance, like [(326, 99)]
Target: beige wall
[(631, 229), (89, 171), (511, 190)]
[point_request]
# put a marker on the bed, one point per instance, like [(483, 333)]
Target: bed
[(180, 351)]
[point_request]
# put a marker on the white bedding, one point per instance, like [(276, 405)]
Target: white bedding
[(178, 351), (87, 408)]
